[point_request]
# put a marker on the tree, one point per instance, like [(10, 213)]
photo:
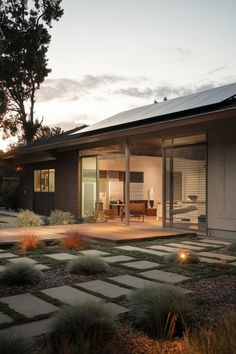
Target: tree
[(24, 41)]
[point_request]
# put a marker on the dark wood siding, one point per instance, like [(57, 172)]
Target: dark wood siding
[(67, 181)]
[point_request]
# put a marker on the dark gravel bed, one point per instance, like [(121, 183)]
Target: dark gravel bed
[(58, 277), (213, 297)]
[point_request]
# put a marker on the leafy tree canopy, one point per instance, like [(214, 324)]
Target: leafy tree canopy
[(24, 42)]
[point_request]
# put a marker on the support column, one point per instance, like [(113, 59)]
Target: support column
[(127, 182), (97, 185)]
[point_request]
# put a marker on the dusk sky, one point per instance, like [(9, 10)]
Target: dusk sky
[(107, 56)]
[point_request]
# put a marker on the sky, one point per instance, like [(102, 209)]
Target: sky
[(108, 56)]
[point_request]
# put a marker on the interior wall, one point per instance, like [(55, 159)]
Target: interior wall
[(151, 166), (222, 176)]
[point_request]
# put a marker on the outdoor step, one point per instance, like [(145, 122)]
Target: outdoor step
[(201, 244), (61, 256), (95, 253), (132, 281), (163, 248), (22, 260), (120, 258)]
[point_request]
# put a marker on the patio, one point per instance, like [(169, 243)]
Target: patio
[(110, 232)]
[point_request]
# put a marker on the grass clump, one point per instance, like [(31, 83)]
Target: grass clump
[(162, 311), (29, 241), (86, 329), (87, 265), (27, 218), (232, 247), (59, 217), (183, 257), (20, 274), (217, 340), (11, 344), (74, 241)]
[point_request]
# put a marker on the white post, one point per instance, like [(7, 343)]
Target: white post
[(127, 182)]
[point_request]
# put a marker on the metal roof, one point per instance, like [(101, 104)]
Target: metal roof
[(181, 104)]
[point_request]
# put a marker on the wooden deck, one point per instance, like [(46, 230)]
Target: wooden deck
[(110, 232)]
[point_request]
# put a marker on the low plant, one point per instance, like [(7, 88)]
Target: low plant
[(59, 217), (96, 217), (74, 241), (29, 241), (87, 265), (162, 311), (28, 218), (183, 257), (217, 340), (232, 247), (20, 273), (87, 328), (11, 344)]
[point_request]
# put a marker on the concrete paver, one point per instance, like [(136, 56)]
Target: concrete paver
[(6, 255), (201, 244), (95, 253), (162, 276), (104, 288), (133, 282), (141, 265), (216, 242), (142, 250), (61, 256), (221, 256), (5, 318), (28, 305), (28, 330), (69, 295), (188, 247), (23, 260), (119, 258)]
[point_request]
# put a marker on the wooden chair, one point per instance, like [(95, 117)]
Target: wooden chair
[(135, 209)]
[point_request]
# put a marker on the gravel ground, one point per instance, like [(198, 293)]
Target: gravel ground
[(58, 277)]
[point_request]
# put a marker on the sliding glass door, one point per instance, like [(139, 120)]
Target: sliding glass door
[(89, 185), (185, 187)]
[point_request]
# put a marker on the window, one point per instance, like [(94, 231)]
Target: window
[(44, 180)]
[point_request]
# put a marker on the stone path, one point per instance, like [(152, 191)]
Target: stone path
[(166, 277), (5, 318), (131, 281), (216, 242), (201, 244), (95, 253), (141, 265), (69, 295), (104, 288), (29, 330), (142, 250), (28, 305), (116, 259), (61, 256), (163, 248), (188, 247), (22, 260), (6, 255), (221, 256)]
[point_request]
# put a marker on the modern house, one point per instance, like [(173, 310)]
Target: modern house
[(176, 159)]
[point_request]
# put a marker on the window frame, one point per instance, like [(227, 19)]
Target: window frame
[(38, 173)]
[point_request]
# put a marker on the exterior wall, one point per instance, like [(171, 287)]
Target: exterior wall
[(222, 179), (66, 192), (67, 182)]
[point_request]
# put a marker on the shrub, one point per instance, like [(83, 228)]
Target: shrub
[(87, 265), (19, 274), (232, 247), (74, 241), (29, 241), (218, 340), (89, 328), (161, 310), (10, 344), (59, 217), (183, 257), (28, 218), (9, 196)]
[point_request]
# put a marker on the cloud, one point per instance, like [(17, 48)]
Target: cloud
[(216, 70), (64, 89)]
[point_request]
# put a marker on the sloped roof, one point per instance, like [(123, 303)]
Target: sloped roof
[(181, 104)]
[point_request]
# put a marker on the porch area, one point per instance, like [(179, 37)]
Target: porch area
[(114, 232)]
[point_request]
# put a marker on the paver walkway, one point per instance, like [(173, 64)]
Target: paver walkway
[(166, 277), (142, 250), (131, 281), (141, 265), (104, 288), (222, 256)]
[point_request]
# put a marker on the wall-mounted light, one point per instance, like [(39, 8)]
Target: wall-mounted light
[(18, 168)]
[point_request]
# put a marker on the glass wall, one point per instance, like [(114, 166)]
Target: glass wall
[(185, 187), (89, 185)]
